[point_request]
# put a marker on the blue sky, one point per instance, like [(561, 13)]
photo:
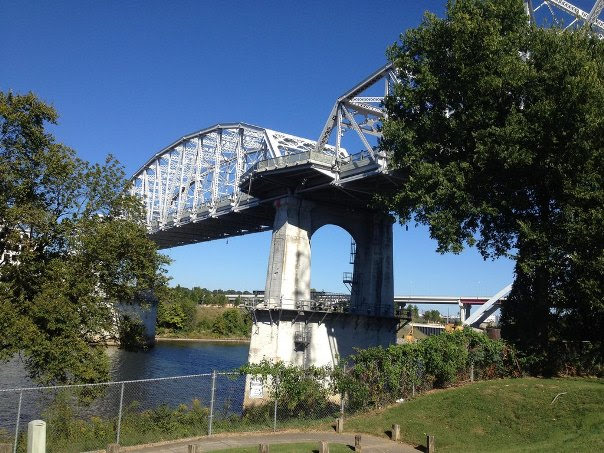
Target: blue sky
[(130, 77)]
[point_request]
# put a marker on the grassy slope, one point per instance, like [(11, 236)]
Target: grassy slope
[(502, 415)]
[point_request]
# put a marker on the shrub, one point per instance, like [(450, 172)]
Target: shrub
[(378, 376), (232, 322)]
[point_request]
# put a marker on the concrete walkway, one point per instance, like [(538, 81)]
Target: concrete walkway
[(224, 441)]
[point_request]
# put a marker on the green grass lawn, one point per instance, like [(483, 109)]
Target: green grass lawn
[(290, 448), (510, 415)]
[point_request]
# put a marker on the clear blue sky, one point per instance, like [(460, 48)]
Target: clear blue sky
[(130, 77)]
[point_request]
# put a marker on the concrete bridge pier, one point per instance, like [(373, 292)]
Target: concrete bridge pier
[(291, 328), (135, 321), (288, 274), (464, 311)]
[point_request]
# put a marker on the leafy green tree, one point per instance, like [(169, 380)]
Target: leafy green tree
[(414, 312), (497, 129), (177, 308), (233, 322), (81, 248), (432, 316)]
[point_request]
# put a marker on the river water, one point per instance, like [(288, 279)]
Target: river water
[(174, 358), (167, 358)]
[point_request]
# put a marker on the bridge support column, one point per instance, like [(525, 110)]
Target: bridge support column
[(464, 312), (373, 285), (288, 275), (288, 327)]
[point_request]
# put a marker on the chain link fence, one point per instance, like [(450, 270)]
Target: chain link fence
[(91, 416)]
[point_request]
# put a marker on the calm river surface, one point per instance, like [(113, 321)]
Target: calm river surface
[(174, 358), (167, 358)]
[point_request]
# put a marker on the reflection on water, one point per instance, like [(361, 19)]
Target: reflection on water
[(167, 358), (173, 358)]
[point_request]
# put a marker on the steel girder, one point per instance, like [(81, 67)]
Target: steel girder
[(361, 114), (202, 171), (200, 174), (566, 14)]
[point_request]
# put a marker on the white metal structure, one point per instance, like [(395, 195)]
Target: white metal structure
[(361, 114), (200, 176), (566, 14), (203, 169), (487, 308)]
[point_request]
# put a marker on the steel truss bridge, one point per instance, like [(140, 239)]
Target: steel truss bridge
[(222, 181), (213, 183)]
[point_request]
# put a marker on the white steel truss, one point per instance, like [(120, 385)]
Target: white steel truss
[(566, 14), (487, 308), (361, 114), (203, 169)]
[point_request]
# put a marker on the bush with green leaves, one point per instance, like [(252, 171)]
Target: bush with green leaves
[(299, 393), (380, 376), (375, 377), (233, 322), (176, 311)]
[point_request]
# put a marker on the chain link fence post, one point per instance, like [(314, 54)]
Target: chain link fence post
[(275, 408), (343, 397), (119, 416), (212, 396), (17, 423)]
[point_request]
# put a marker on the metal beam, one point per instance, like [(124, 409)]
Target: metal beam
[(479, 315)]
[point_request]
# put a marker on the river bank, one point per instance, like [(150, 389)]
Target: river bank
[(204, 340)]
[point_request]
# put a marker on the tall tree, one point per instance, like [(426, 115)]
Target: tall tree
[(78, 243), (498, 129)]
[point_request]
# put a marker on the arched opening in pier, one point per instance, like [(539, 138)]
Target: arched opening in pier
[(332, 258)]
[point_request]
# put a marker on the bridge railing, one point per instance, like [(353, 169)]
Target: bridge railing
[(203, 210), (341, 305), (324, 303), (306, 157)]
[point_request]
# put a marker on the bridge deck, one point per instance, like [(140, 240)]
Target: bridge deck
[(312, 175)]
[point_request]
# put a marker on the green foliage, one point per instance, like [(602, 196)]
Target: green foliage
[(203, 296), (414, 312), (299, 393), (379, 376), (180, 313), (132, 334), (497, 130), (67, 432), (432, 316), (176, 309), (81, 248), (233, 322)]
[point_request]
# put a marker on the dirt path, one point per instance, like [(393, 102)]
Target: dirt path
[(224, 441)]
